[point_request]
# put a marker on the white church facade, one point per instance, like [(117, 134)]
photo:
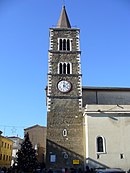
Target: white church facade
[(107, 126)]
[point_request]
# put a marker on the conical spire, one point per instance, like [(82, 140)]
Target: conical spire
[(63, 20)]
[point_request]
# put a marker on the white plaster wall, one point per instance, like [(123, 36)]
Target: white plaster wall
[(115, 128), (14, 152)]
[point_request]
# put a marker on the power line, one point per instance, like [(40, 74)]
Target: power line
[(1, 125), (12, 129)]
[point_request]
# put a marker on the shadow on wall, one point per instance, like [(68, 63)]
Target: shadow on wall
[(94, 164), (59, 157)]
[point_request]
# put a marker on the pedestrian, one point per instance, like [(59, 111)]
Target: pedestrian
[(87, 170), (80, 170), (50, 170), (66, 170)]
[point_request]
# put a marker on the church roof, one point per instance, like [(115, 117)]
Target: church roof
[(63, 21), (105, 88), (35, 126), (105, 96)]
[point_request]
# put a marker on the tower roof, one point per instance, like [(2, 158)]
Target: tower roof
[(63, 21)]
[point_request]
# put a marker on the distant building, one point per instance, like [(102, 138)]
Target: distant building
[(37, 135), (16, 146), (5, 151)]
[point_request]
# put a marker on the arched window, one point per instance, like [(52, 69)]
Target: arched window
[(100, 144), (64, 44), (60, 68), (64, 68), (60, 44), (68, 68), (68, 44)]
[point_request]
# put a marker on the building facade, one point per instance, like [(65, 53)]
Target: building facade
[(15, 147), (37, 135), (86, 126), (5, 151), (107, 126)]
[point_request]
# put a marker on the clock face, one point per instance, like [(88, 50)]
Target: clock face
[(64, 86)]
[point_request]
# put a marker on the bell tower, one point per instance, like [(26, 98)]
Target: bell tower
[(64, 97)]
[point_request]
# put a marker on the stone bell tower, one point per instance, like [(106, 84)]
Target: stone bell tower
[(64, 97)]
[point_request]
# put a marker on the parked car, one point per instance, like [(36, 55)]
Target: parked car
[(110, 170)]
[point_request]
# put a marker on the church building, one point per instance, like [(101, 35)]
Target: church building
[(86, 126)]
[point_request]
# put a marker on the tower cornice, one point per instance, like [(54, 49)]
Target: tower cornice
[(65, 29), (64, 52), (64, 97), (65, 75)]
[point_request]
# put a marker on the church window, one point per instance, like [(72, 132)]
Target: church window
[(60, 46), (68, 68), (100, 144), (122, 156), (64, 68), (64, 132), (68, 44), (64, 44), (60, 68)]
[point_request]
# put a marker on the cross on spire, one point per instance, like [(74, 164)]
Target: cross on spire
[(63, 2)]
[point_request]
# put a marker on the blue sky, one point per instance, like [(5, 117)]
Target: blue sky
[(24, 43)]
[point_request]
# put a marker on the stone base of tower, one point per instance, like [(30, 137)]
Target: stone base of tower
[(65, 141), (59, 158)]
